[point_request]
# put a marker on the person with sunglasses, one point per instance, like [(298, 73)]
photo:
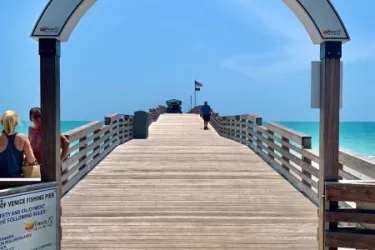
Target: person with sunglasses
[(35, 135)]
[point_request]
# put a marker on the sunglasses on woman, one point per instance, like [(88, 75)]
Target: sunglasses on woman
[(37, 116)]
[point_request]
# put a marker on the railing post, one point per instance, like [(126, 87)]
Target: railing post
[(116, 128), (131, 127), (341, 167), (121, 129), (284, 139), (271, 141), (224, 124), (126, 128), (108, 121), (237, 128), (306, 144), (243, 131), (83, 147), (96, 148), (232, 128), (221, 125), (258, 122), (330, 54)]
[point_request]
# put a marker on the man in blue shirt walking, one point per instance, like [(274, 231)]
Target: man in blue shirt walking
[(206, 114)]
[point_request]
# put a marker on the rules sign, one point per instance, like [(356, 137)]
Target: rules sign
[(28, 220)]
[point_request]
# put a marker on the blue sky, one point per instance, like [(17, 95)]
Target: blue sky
[(253, 56)]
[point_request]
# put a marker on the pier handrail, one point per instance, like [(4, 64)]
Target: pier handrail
[(92, 142), (363, 194), (288, 151), (153, 114)]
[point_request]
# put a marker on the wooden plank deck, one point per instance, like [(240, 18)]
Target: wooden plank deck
[(186, 188)]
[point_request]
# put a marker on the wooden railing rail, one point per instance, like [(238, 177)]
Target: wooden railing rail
[(153, 114), (92, 142), (89, 144), (195, 110), (360, 192), (288, 151)]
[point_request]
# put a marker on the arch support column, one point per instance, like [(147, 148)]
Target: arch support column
[(330, 74)]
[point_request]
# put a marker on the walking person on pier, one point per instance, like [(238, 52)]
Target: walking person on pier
[(35, 135), (13, 147), (206, 114)]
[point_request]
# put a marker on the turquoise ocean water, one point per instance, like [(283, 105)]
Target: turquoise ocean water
[(64, 126), (355, 136)]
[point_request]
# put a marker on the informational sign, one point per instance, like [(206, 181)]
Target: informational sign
[(320, 20), (29, 220), (59, 18)]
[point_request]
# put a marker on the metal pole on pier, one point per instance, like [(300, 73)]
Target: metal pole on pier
[(191, 102), (195, 97)]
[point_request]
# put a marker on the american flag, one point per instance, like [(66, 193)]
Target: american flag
[(198, 84)]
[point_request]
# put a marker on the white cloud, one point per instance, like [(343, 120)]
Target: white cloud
[(296, 51)]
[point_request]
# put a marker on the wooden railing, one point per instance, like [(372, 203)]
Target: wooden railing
[(363, 194), (92, 142), (89, 144), (288, 151), (195, 110), (153, 114)]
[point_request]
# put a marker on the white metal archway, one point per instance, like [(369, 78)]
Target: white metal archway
[(321, 21)]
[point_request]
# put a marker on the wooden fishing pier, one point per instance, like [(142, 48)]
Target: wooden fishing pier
[(240, 185), (152, 180)]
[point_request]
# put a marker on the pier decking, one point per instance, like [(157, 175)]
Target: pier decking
[(186, 188)]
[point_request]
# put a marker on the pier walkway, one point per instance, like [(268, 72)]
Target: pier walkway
[(186, 188)]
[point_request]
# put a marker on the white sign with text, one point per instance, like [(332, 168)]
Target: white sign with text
[(59, 18), (320, 19), (29, 220)]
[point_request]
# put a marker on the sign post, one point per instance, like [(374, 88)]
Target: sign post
[(325, 28), (55, 25), (49, 51), (329, 129)]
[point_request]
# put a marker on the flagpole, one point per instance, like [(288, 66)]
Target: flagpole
[(191, 102), (195, 92)]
